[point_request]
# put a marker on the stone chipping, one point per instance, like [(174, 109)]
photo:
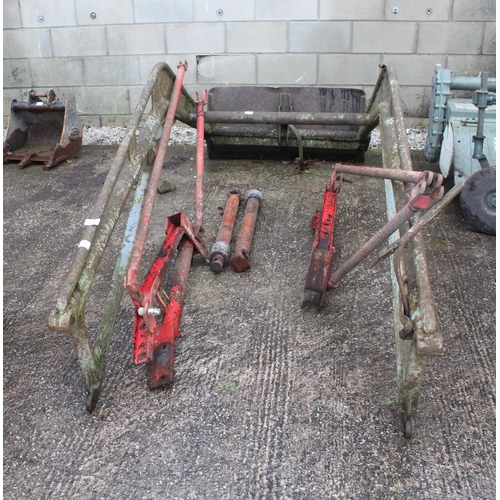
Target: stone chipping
[(186, 135)]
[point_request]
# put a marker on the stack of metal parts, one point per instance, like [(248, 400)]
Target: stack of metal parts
[(240, 127)]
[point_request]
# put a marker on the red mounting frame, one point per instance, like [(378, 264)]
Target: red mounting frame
[(323, 223)]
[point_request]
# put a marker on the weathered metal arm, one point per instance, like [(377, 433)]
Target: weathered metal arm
[(416, 326), (149, 198), (417, 201), (290, 117), (131, 158), (424, 326)]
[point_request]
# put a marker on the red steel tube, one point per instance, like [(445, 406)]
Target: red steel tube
[(200, 159), (219, 255), (154, 179), (240, 260), (162, 363)]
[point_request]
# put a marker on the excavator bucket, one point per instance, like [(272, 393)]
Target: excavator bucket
[(46, 132)]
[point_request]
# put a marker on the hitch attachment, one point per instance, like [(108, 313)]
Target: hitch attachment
[(154, 343), (319, 275)]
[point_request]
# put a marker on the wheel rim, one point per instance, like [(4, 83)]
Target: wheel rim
[(490, 202)]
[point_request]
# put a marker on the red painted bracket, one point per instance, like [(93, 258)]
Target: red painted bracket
[(147, 333), (153, 343), (323, 223)]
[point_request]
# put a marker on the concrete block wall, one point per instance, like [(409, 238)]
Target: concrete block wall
[(101, 53)]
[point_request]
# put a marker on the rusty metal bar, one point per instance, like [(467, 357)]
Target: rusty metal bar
[(376, 92), (200, 163), (219, 254), (154, 179), (240, 260), (365, 130), (431, 179), (397, 110), (298, 137), (289, 118), (390, 156), (429, 215), (33, 108), (223, 130), (417, 202)]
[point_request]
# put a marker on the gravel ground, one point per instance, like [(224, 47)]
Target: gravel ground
[(270, 401), (187, 135), (114, 135)]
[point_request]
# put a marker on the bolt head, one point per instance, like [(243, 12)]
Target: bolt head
[(93, 15), (41, 19), (395, 10)]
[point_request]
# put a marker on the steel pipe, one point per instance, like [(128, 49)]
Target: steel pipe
[(289, 118), (397, 110), (472, 83), (200, 159), (431, 179), (219, 254), (240, 260)]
